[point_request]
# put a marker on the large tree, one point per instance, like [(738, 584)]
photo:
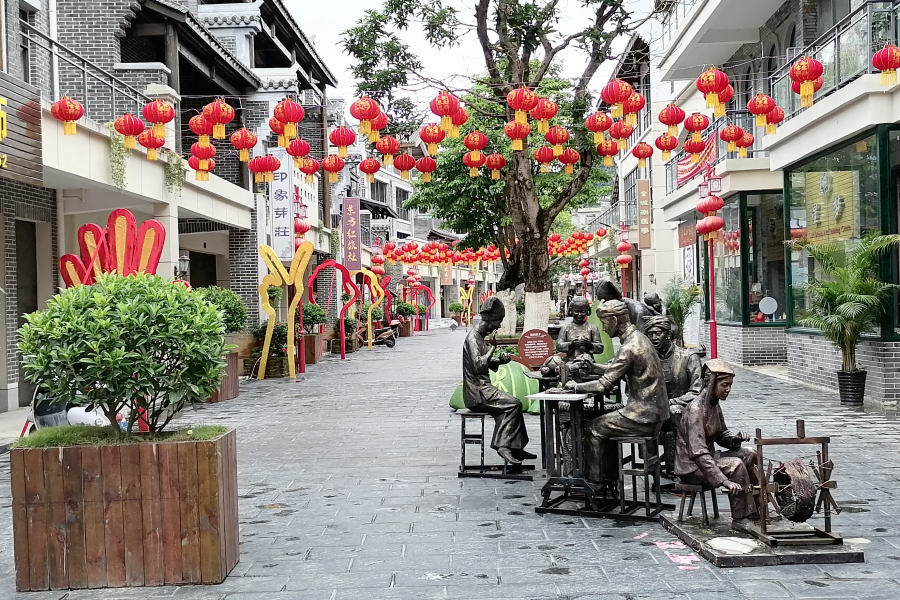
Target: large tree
[(521, 44)]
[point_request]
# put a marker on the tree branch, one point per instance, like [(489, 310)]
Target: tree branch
[(481, 20)]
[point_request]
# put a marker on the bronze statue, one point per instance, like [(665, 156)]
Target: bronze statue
[(579, 341), (653, 300), (647, 409), (479, 395), (681, 371), (702, 425), (639, 312)]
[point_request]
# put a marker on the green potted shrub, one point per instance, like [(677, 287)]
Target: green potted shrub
[(456, 309), (275, 293), (377, 314), (313, 316), (234, 316), (142, 346), (847, 300), (350, 340), (679, 297), (276, 365), (405, 311)]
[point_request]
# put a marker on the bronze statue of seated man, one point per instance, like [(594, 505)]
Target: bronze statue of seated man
[(579, 341)]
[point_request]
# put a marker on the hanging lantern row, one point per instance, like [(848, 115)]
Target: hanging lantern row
[(576, 243), (624, 259), (435, 253)]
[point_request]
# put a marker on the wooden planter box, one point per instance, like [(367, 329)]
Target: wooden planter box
[(313, 347), (406, 328), (125, 516), (230, 387)]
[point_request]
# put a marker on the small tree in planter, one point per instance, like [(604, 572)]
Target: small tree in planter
[(848, 300), (405, 310), (679, 297), (456, 309), (234, 316), (277, 365), (350, 333), (313, 316)]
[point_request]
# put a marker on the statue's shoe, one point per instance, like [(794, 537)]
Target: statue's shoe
[(742, 525), (523, 455), (507, 455)]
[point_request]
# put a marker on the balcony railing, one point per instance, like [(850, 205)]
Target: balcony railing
[(103, 95), (621, 212), (673, 20)]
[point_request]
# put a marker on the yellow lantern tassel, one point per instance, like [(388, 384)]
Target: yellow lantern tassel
[(219, 131), (889, 77), (270, 177), (205, 175), (151, 154), (495, 174), (203, 165), (297, 160), (372, 135), (712, 100), (713, 235), (446, 123), (454, 132), (521, 116), (631, 119), (258, 177), (426, 177), (557, 150), (517, 145), (332, 177), (309, 179), (673, 130), (290, 130), (742, 152), (69, 128), (388, 160), (404, 175), (370, 178), (159, 130), (203, 141), (129, 142), (607, 161), (695, 158), (364, 127), (666, 155), (616, 111), (569, 169), (642, 163), (732, 146), (244, 155), (771, 128), (198, 176), (282, 142), (473, 171), (761, 120), (342, 151), (720, 110), (432, 149), (476, 155), (695, 136), (545, 168), (598, 137)]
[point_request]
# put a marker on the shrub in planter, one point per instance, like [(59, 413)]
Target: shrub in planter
[(456, 309), (276, 293), (377, 312), (234, 316), (278, 347), (350, 333), (313, 316), (405, 309)]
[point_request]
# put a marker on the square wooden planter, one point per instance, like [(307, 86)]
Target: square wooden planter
[(406, 328), (313, 347), (125, 516), (230, 387)]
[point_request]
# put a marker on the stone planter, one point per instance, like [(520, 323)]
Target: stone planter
[(313, 347), (132, 515), (230, 387), (276, 366), (351, 345)]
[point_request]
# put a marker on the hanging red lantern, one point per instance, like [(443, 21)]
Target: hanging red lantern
[(475, 142), (342, 137), (746, 141), (725, 96), (333, 164), (555, 238), (445, 105), (517, 132), (202, 127), (495, 162), (426, 166), (713, 224), (522, 100), (473, 162), (569, 157), (158, 112), (642, 152), (632, 106), (600, 233), (370, 166), (289, 112), (404, 163), (309, 167), (300, 226), (666, 143), (624, 260), (270, 164), (432, 135), (585, 272), (278, 127), (773, 118), (887, 60), (201, 174), (696, 124), (129, 126), (388, 146), (710, 205), (151, 143), (556, 137), (298, 149), (761, 105), (608, 150), (203, 154), (730, 134), (545, 156), (817, 85), (584, 263), (243, 140), (545, 110), (375, 127), (615, 94), (598, 123), (672, 116), (364, 110), (68, 111), (710, 83), (219, 113), (623, 246), (695, 149), (805, 71), (621, 131)]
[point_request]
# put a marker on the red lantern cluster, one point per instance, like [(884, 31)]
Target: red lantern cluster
[(289, 112), (129, 126), (615, 94), (711, 83), (365, 110), (202, 174), (711, 223), (475, 142), (632, 106), (556, 137), (522, 100), (445, 105), (298, 149), (624, 259), (202, 128), (264, 167), (731, 134)]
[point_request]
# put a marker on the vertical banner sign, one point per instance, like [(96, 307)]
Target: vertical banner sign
[(687, 233), (644, 208), (282, 213), (352, 233), (447, 275)]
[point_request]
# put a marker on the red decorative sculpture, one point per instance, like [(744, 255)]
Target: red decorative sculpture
[(349, 288)]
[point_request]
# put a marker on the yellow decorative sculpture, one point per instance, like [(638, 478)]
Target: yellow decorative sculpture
[(278, 276), (376, 288), (466, 296)]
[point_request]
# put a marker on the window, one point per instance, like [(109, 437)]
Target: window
[(830, 12), (402, 196), (765, 257), (727, 252), (380, 192)]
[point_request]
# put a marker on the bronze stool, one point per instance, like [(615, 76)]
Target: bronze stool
[(693, 490)]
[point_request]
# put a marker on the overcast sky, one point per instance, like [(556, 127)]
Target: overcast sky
[(326, 25)]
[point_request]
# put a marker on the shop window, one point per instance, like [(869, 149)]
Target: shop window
[(765, 258), (727, 252)]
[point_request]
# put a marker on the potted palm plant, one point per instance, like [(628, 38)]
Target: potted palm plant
[(234, 316), (313, 316), (849, 299), (679, 297)]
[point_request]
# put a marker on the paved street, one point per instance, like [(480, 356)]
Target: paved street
[(348, 491)]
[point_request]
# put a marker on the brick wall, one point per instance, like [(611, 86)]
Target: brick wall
[(813, 359), (243, 262), (748, 346), (38, 69)]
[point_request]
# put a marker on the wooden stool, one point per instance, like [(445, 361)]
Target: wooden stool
[(693, 490), (481, 470), (642, 460)]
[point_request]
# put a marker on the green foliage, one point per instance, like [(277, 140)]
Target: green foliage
[(278, 347), (136, 342), (456, 308), (66, 436), (678, 298), (313, 315), (335, 242), (851, 298), (377, 312), (118, 157), (174, 173), (234, 311), (276, 293), (520, 307), (405, 309), (345, 297), (422, 310), (350, 324)]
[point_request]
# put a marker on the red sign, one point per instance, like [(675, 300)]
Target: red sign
[(644, 216), (687, 232), (352, 234), (535, 347), (685, 170), (447, 275)]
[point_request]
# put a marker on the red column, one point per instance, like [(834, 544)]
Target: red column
[(713, 333)]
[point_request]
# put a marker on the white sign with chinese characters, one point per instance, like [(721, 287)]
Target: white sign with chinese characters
[(281, 196)]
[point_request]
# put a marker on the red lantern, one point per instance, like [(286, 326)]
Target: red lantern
[(584, 263), (673, 117), (473, 162), (203, 154), (219, 113), (817, 85), (585, 271), (202, 127), (426, 166), (298, 149), (556, 137), (151, 143), (710, 83), (377, 270), (760, 106), (201, 174), (702, 228), (342, 137), (555, 238), (375, 127), (459, 119), (68, 111), (495, 162), (289, 112), (624, 260), (445, 105), (710, 205), (615, 94), (713, 224), (805, 71), (569, 157), (745, 142), (300, 226), (545, 156), (600, 233), (404, 163), (608, 150), (642, 152), (278, 127), (388, 146), (621, 131), (773, 118), (364, 110), (159, 113), (475, 141), (730, 134), (545, 110), (666, 143), (725, 96), (333, 164), (695, 149), (887, 60), (632, 106), (623, 246), (598, 123), (243, 140), (129, 126), (696, 124), (432, 135), (309, 167), (517, 132), (370, 166), (522, 100)]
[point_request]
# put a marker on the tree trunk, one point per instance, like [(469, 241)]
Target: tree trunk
[(508, 298)]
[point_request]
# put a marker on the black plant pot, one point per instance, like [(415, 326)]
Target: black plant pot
[(852, 386)]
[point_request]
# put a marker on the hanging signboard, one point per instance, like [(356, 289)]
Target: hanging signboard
[(687, 233), (644, 208), (352, 234), (281, 194)]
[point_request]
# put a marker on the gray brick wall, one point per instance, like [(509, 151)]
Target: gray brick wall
[(243, 259), (748, 346), (37, 69)]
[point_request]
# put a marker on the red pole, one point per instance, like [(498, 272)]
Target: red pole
[(713, 334), (624, 271), (302, 348)]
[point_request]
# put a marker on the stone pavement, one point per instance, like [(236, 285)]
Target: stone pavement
[(349, 492)]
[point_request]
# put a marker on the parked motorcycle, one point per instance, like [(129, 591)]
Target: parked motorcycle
[(382, 336), (54, 414)]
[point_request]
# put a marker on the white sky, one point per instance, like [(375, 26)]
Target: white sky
[(326, 20)]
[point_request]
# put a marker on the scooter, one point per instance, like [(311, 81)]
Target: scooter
[(383, 336), (62, 415)]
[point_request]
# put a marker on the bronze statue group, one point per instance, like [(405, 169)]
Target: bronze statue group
[(668, 394)]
